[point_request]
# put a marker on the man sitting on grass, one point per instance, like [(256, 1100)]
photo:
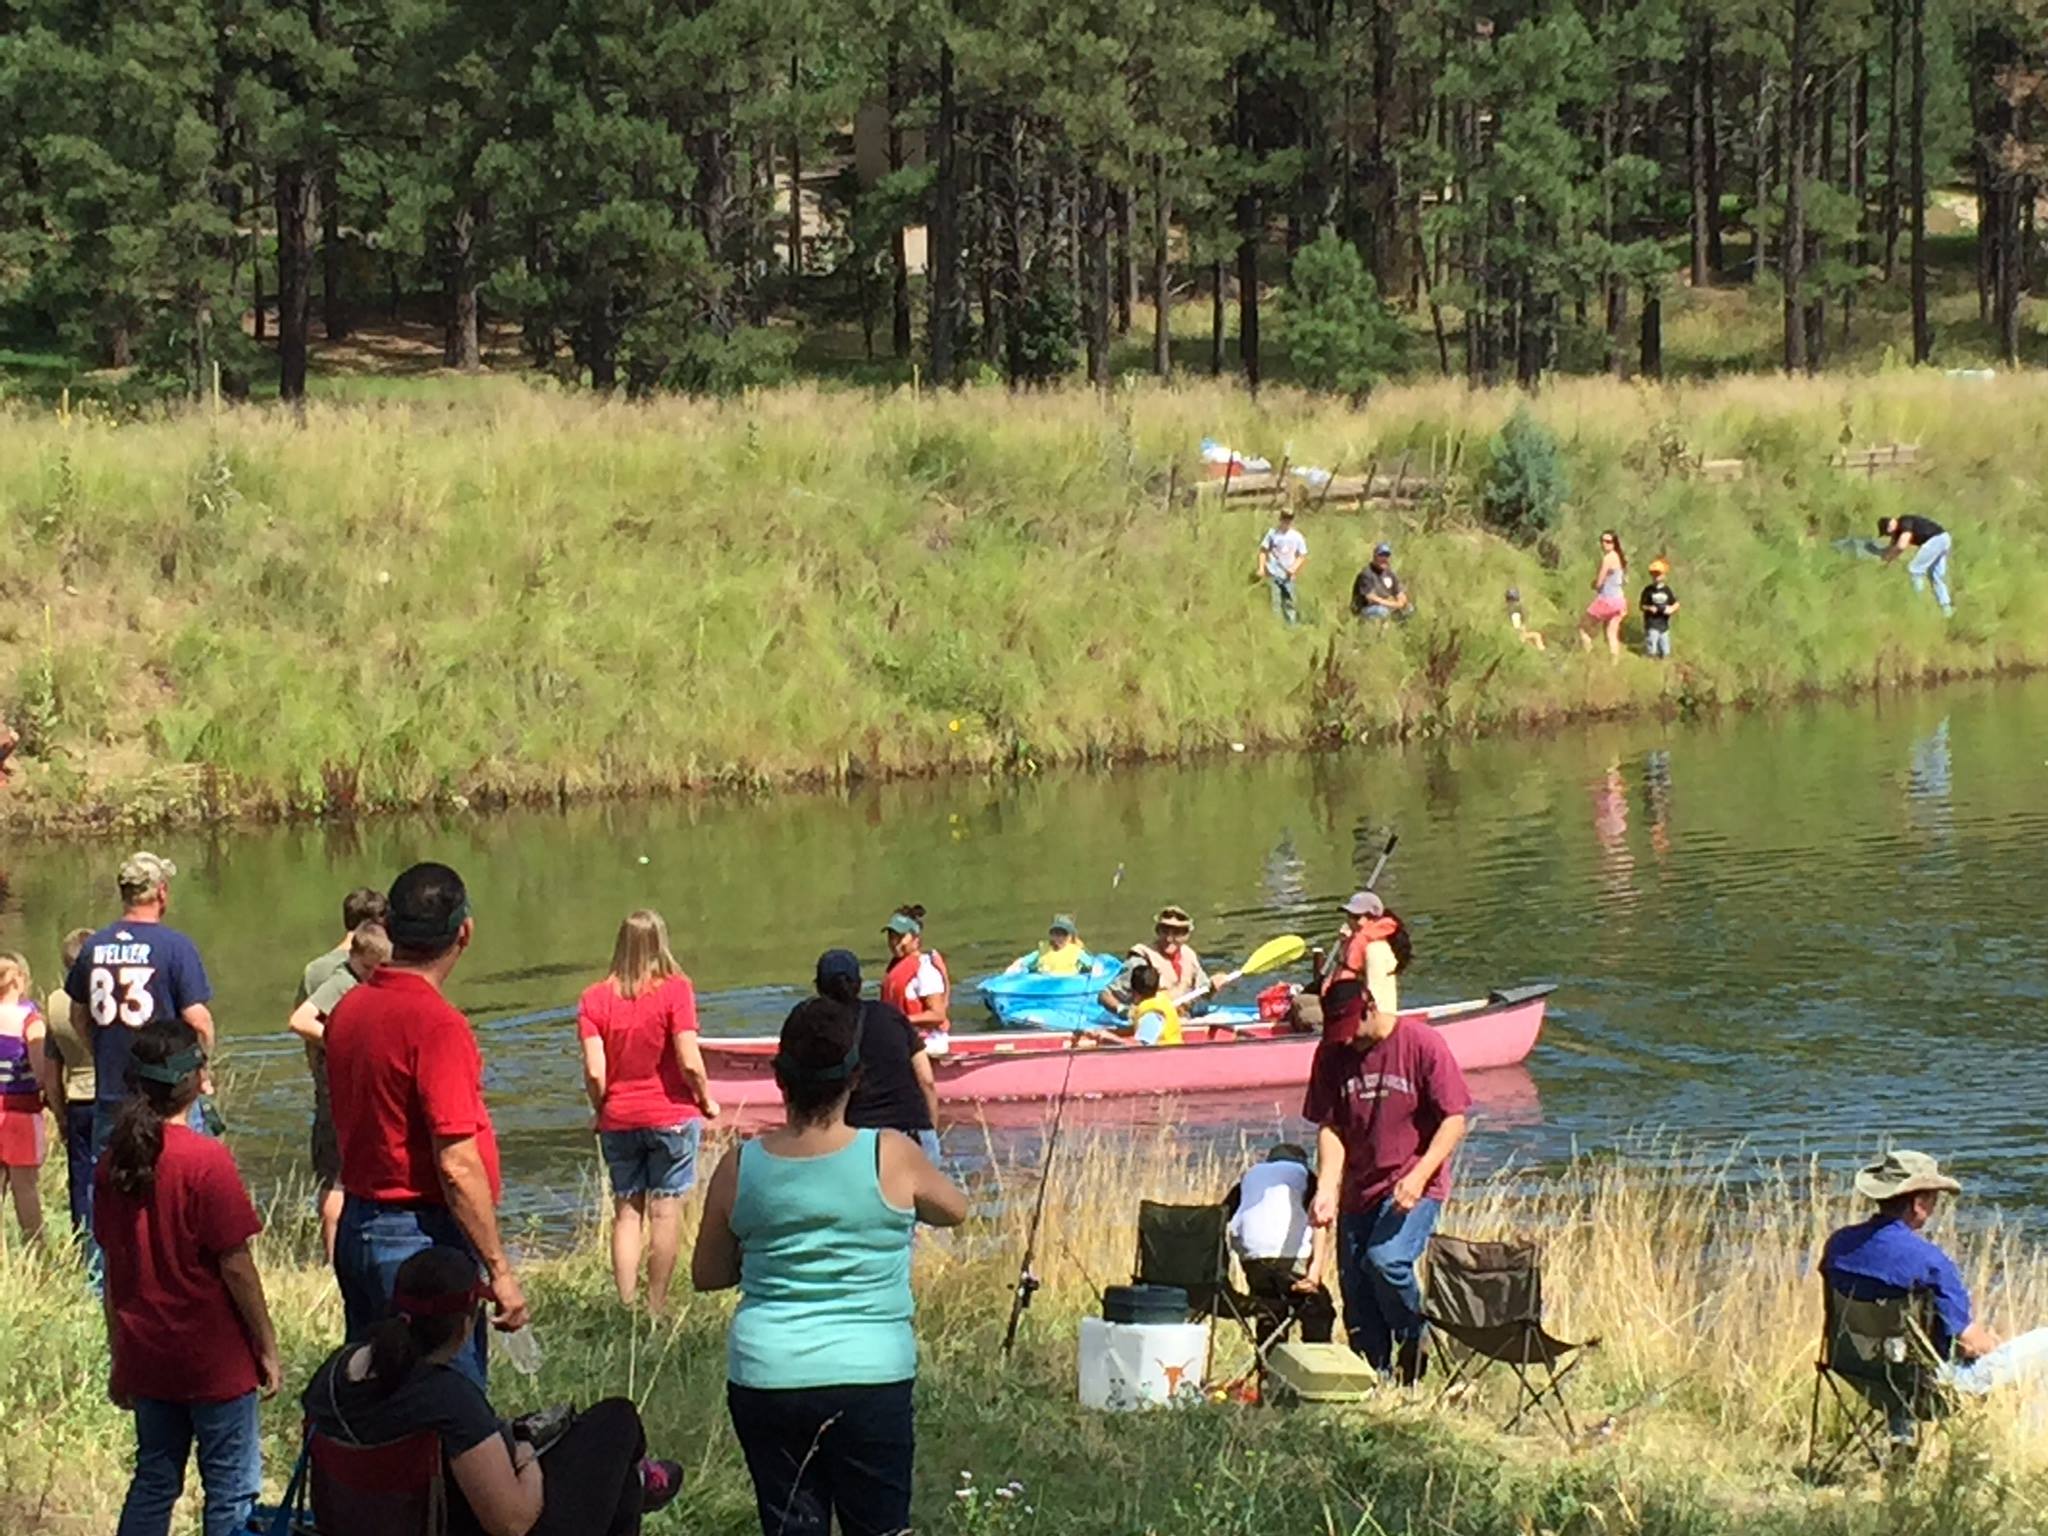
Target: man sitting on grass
[(1886, 1257)]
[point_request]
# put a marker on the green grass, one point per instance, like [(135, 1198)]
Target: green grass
[(1695, 1274), (511, 593)]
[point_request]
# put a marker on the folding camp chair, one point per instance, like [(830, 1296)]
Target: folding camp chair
[(1487, 1298), (1187, 1246), (1882, 1354), (395, 1489)]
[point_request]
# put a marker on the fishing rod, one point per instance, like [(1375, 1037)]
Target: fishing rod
[(1027, 1281), (1386, 853)]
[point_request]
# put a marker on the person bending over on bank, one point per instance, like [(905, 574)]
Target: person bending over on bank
[(1533, 638), (187, 1326), (309, 1023), (1389, 1103), (917, 983), (895, 1089), (1930, 544), (1886, 1257), (593, 1476), (419, 1156), (813, 1223), (1062, 953), (644, 1073), (1285, 1256), (1173, 960)]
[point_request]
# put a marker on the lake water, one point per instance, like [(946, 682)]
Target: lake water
[(1801, 931)]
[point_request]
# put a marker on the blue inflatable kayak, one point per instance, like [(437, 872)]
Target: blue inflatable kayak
[(1012, 994)]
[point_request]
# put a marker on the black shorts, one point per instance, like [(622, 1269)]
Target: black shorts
[(325, 1146)]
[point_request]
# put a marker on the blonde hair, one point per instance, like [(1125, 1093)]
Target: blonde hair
[(369, 946), (641, 956), (74, 945), (14, 975)]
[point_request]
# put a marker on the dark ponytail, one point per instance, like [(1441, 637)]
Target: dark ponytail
[(435, 1297), (913, 910), (164, 1064), (817, 1058), (1401, 944)]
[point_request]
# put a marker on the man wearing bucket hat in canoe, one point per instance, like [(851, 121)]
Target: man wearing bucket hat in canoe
[(1886, 1257), (1389, 1102), (1171, 956)]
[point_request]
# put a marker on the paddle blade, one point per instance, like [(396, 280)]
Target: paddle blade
[(1274, 953)]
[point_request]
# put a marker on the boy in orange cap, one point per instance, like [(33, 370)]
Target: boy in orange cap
[(1659, 603)]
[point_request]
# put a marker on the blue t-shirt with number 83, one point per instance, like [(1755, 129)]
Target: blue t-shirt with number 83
[(129, 974)]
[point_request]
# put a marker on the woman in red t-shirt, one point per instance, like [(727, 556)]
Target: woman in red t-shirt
[(646, 1080), (187, 1325)]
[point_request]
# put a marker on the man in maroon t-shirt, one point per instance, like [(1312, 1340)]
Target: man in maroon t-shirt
[(419, 1157), (1391, 1103)]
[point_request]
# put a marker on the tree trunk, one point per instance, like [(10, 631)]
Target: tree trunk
[(899, 240), (262, 313), (1015, 263), (1759, 253), (1716, 260), (1217, 317), (1859, 159), (1923, 334), (1126, 259), (1792, 257), (1891, 141), (459, 344), (297, 215), (1703, 215), (333, 298), (1651, 357), (1250, 224), (796, 172), (1097, 265), (1162, 273), (945, 254)]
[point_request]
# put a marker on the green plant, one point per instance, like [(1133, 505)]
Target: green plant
[(1341, 337), (1526, 482), (749, 357)]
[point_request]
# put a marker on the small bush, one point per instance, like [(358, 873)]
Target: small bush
[(750, 357), (1047, 343), (1339, 334), (1526, 483)]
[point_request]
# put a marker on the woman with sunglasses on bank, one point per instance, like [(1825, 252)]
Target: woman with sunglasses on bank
[(520, 1479), (1608, 606)]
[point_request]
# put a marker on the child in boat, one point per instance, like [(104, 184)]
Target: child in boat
[(1154, 1018), (1062, 953)]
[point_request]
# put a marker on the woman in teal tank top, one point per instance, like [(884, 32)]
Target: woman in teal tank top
[(813, 1223)]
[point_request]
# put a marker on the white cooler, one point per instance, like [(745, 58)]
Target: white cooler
[(1126, 1366)]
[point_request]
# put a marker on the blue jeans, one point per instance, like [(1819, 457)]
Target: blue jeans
[(1657, 642), (1283, 597), (933, 1149), (658, 1163), (230, 1440), (78, 1165), (1930, 563), (1376, 1256), (374, 1240)]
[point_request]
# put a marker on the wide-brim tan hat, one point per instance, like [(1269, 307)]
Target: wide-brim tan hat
[(1904, 1173)]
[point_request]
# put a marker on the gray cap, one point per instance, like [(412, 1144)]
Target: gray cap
[(1365, 904), (1382, 549), (143, 872)]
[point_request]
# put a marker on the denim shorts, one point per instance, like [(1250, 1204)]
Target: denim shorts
[(660, 1163)]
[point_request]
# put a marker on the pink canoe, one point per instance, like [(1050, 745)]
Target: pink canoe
[(1020, 1066)]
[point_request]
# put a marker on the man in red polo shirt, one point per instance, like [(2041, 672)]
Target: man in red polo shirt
[(419, 1160)]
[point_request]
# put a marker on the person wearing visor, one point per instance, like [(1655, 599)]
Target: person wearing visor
[(813, 1223), (419, 1156), (1173, 960), (188, 1330), (1389, 1102), (536, 1476), (1062, 953), (917, 983)]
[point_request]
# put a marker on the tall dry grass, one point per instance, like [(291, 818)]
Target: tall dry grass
[(1694, 1272)]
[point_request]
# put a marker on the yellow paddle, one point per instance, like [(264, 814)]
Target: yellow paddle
[(1269, 956)]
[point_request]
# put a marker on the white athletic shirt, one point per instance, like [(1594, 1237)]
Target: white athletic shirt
[(1272, 1213)]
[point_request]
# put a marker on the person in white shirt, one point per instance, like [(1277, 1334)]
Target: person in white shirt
[(1283, 1256), (1282, 554)]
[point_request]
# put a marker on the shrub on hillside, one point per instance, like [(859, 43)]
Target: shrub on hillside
[(1046, 344), (1526, 483), (1338, 333), (747, 357)]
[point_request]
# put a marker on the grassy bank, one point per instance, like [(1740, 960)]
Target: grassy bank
[(516, 595), (1695, 1275)]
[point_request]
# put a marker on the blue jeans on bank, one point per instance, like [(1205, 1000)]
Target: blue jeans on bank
[(230, 1442), (1283, 598), (1377, 1252), (78, 1165), (1930, 563), (1657, 643), (376, 1238), (658, 1163)]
